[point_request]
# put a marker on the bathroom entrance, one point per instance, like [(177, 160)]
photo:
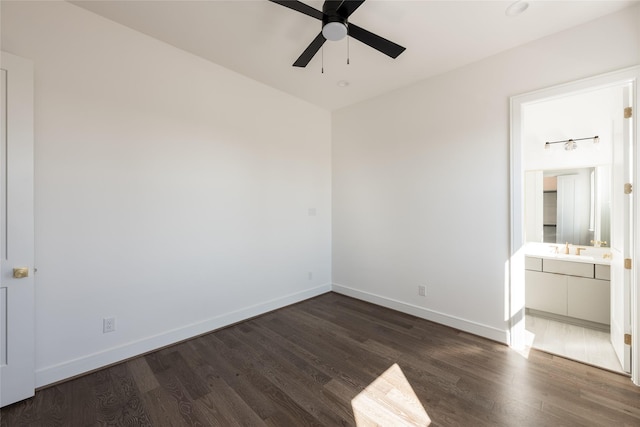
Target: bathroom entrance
[(570, 284)]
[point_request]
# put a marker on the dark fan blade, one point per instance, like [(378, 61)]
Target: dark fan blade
[(379, 43), (298, 6), (310, 51), (331, 6), (348, 7)]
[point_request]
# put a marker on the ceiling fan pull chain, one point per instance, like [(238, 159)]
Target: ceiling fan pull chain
[(322, 66), (347, 50)]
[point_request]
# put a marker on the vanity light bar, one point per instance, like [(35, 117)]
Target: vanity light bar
[(570, 144)]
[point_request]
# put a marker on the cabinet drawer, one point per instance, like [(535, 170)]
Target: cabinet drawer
[(567, 267), (531, 263), (603, 272), (588, 299)]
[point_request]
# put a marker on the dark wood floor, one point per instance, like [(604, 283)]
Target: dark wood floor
[(333, 361)]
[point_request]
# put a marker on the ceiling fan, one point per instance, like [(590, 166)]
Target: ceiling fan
[(336, 25)]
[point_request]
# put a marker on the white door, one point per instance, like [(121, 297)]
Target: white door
[(621, 234), (17, 316)]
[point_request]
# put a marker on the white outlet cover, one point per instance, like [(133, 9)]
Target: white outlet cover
[(108, 324)]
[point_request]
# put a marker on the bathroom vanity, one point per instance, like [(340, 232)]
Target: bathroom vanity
[(573, 287)]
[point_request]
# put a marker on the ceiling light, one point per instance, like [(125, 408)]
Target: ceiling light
[(517, 8), (334, 31)]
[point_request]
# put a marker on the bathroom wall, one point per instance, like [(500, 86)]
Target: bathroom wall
[(583, 115)]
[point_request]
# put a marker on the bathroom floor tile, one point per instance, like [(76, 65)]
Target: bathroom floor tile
[(573, 342)]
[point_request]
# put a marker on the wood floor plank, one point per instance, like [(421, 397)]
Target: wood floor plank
[(222, 365), (303, 389), (129, 409), (174, 396), (275, 345), (323, 353), (224, 400), (289, 381), (162, 408), (192, 383), (142, 374), (247, 369), (334, 360)]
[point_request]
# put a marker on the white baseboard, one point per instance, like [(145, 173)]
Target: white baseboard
[(84, 364), (475, 328)]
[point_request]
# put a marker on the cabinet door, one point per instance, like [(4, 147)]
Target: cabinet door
[(588, 299), (546, 292)]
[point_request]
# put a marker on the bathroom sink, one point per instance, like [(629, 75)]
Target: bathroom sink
[(573, 257), (589, 254), (577, 258)]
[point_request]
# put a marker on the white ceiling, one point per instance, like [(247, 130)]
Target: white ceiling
[(261, 39)]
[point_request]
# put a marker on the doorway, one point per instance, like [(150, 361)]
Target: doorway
[(574, 136)]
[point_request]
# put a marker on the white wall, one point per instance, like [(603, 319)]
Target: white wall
[(421, 177), (171, 193)]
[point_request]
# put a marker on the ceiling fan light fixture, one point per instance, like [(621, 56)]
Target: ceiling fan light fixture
[(335, 26), (334, 31)]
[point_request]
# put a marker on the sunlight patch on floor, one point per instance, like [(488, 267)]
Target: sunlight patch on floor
[(524, 351), (389, 401)]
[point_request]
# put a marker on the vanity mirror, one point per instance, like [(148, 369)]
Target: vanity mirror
[(569, 205)]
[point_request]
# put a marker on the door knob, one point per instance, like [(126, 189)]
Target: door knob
[(20, 272)]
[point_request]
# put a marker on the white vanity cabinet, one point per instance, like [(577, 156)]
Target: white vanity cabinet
[(575, 289)]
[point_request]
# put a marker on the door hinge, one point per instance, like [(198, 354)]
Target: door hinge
[(628, 112), (628, 188), (627, 339), (627, 263)]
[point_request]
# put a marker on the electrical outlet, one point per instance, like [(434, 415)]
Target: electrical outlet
[(108, 324), (422, 290)]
